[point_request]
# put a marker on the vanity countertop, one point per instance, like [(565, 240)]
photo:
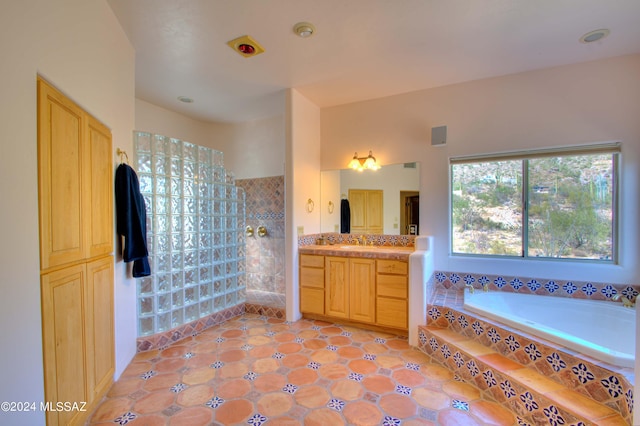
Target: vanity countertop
[(371, 252)]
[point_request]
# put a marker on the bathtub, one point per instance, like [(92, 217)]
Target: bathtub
[(599, 329)]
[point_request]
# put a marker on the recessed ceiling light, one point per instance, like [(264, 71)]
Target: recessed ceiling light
[(304, 29), (594, 35), (185, 99)]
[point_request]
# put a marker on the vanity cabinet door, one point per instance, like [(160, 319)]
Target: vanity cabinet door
[(362, 290), (337, 287)]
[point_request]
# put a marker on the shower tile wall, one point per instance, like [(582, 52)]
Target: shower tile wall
[(265, 255)]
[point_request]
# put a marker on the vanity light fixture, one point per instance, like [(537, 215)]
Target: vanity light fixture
[(362, 163)]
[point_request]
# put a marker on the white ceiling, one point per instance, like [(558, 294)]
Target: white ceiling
[(362, 49)]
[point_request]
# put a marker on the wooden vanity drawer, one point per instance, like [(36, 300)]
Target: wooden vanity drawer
[(312, 260), (392, 267), (392, 286), (312, 277)]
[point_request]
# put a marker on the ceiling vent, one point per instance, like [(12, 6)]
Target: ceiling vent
[(246, 46)]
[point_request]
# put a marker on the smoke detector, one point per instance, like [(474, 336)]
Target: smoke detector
[(304, 29), (246, 46)]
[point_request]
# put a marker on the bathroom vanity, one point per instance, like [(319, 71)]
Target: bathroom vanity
[(364, 285)]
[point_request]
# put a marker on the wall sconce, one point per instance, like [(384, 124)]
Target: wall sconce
[(362, 163)]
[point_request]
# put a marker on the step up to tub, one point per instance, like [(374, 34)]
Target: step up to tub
[(534, 397)]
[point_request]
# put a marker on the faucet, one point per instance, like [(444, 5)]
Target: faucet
[(626, 302), (485, 287), (470, 288)]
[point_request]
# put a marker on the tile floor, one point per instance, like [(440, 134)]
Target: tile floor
[(264, 371)]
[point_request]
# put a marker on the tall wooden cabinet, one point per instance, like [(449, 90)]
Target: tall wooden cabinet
[(75, 177), (367, 209)]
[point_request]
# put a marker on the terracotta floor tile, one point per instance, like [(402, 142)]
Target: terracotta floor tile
[(390, 362), (309, 373), (112, 408), (233, 370), (195, 395), (363, 366), (339, 340), (378, 384), (233, 389), (202, 360), (302, 376), (408, 378), (324, 356), (151, 420), (162, 381), (350, 352), (289, 348), (269, 382), (362, 413), (347, 390), (312, 396), (259, 340), (233, 412), (295, 360), (436, 372), (274, 404), (176, 351), (195, 376), (323, 417), (154, 402), (461, 390), (125, 386), (397, 405), (334, 371), (135, 369), (232, 355), (432, 399)]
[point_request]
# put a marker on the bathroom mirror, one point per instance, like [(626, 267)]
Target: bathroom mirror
[(400, 189)]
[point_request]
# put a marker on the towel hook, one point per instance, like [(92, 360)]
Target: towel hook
[(124, 158)]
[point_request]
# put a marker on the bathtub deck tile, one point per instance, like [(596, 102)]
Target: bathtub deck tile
[(500, 362), (536, 381), (474, 348), (447, 334), (579, 403)]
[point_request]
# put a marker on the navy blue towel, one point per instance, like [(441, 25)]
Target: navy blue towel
[(345, 217), (132, 220)]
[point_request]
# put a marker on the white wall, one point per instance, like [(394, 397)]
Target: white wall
[(302, 182), (79, 47), (252, 149), (569, 105)]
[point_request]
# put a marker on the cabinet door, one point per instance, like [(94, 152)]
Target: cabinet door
[(99, 189), (337, 287), (375, 209), (63, 317), (99, 326), (362, 289), (60, 157)]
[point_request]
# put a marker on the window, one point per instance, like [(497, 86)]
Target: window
[(547, 204)]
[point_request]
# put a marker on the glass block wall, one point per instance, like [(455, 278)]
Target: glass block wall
[(195, 233)]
